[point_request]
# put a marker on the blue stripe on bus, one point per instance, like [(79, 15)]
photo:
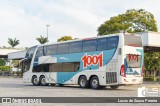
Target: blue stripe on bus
[(63, 77)]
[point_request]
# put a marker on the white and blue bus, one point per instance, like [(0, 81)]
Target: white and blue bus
[(110, 60)]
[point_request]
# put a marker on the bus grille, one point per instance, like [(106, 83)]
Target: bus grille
[(111, 77)]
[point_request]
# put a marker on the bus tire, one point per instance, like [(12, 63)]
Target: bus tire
[(94, 82), (35, 81), (52, 84), (43, 81), (114, 86), (83, 83)]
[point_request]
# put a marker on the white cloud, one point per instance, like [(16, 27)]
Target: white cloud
[(26, 19)]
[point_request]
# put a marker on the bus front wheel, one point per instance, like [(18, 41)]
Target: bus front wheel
[(35, 81), (83, 83)]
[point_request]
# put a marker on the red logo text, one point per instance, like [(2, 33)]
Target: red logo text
[(133, 57), (92, 60)]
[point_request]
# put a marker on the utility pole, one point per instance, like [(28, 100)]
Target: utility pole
[(47, 25)]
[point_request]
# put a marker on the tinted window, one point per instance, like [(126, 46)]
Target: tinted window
[(112, 42), (30, 52), (40, 52), (56, 67), (63, 48), (75, 47), (51, 49), (132, 40), (90, 45), (64, 67), (102, 44), (41, 68), (134, 60)]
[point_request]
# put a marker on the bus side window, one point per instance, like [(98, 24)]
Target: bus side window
[(102, 44), (112, 42), (51, 49), (75, 47), (63, 48), (90, 45)]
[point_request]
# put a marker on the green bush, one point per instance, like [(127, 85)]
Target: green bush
[(148, 79), (5, 68), (2, 62), (158, 79)]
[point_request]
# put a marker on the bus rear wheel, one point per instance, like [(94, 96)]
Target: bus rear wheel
[(35, 81), (94, 82), (83, 83), (114, 86), (43, 81)]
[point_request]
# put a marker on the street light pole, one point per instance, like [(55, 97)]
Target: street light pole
[(47, 31)]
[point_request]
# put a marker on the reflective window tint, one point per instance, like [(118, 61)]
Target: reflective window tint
[(68, 66), (75, 47), (64, 67), (30, 52), (112, 42), (56, 67), (132, 40), (51, 49), (102, 44), (40, 52), (89, 45), (63, 48)]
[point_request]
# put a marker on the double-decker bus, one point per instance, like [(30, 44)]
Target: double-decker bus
[(109, 60)]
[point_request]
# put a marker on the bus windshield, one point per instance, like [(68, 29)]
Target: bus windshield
[(132, 40), (133, 60), (30, 52)]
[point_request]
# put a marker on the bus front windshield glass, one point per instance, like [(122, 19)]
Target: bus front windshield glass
[(133, 60)]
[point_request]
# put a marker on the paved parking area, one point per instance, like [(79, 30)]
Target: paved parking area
[(14, 87)]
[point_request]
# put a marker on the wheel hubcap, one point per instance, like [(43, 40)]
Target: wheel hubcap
[(43, 81), (82, 82), (36, 80), (94, 82)]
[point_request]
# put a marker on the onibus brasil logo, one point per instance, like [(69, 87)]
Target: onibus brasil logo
[(92, 60)]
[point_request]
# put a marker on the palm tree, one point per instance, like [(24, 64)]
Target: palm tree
[(13, 42), (42, 40)]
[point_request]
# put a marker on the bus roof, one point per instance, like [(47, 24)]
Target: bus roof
[(102, 36)]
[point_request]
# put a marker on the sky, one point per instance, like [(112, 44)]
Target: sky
[(26, 19)]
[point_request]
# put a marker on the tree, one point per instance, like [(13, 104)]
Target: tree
[(131, 21), (65, 38), (152, 62), (134, 21), (42, 40), (13, 42), (2, 62)]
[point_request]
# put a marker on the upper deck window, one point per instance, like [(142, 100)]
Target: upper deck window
[(102, 44), (132, 40), (75, 47), (112, 42), (51, 49), (63, 48), (89, 45)]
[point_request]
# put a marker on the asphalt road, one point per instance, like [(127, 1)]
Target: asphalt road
[(14, 87)]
